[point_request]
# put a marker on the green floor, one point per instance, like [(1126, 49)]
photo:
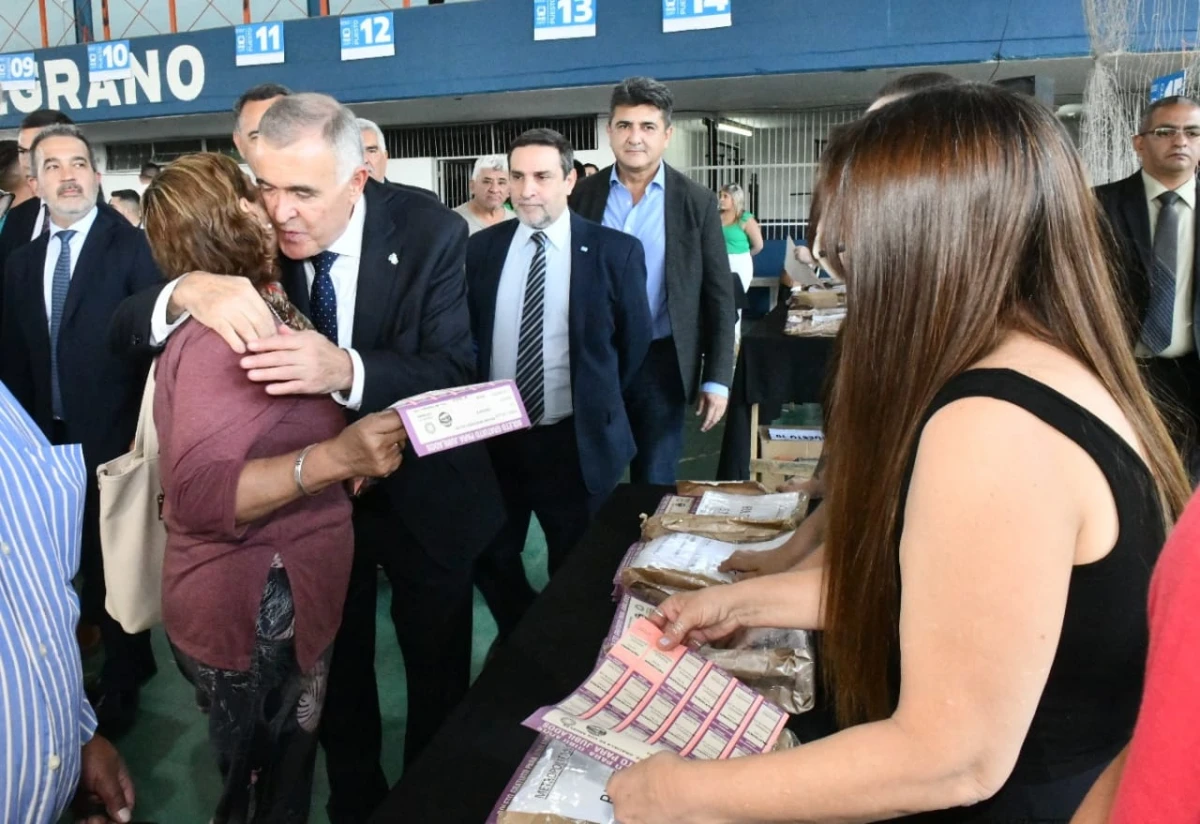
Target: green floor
[(167, 750)]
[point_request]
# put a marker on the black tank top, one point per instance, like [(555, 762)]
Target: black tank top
[(1088, 708)]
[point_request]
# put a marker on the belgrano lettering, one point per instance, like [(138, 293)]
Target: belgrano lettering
[(63, 81)]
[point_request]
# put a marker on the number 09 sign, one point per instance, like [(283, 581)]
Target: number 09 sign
[(18, 72), (563, 19), (368, 35)]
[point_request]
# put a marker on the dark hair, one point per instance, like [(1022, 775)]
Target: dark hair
[(546, 137), (580, 169), (45, 117), (593, 165), (916, 82), (128, 196), (61, 130), (1162, 103), (956, 216), (643, 91), (263, 91), (150, 169), (10, 166), (194, 221)]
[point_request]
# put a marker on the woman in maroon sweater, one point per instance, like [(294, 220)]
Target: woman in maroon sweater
[(258, 521)]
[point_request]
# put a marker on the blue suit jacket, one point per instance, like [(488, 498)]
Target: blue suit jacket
[(609, 333), (101, 391)]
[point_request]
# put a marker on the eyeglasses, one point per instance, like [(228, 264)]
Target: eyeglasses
[(1171, 132)]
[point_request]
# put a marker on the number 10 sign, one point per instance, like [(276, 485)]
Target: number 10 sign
[(368, 35), (563, 19)]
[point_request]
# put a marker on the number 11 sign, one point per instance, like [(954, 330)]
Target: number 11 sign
[(258, 44), (563, 19), (368, 35), (689, 15)]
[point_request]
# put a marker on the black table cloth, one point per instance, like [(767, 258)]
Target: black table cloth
[(467, 766), (772, 369)]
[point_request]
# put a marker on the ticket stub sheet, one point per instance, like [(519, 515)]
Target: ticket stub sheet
[(446, 418), (641, 700)]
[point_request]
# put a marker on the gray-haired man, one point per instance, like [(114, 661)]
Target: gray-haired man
[(380, 271), (489, 190), (374, 149)]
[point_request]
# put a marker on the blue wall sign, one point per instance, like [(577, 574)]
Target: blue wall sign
[(563, 19), (18, 71), (368, 35), (690, 15), (1169, 85), (109, 61), (258, 44)]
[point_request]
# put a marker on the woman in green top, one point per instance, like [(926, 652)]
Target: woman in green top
[(743, 238)]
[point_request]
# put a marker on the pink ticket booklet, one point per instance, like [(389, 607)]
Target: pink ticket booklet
[(641, 700), (446, 418)]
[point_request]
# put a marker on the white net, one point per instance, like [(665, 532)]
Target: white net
[(1133, 42)]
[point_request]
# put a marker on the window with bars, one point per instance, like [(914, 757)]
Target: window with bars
[(472, 140), (129, 157)]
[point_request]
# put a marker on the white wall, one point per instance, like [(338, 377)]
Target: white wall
[(414, 171)]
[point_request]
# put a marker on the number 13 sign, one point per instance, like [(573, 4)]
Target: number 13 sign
[(368, 35), (689, 15), (563, 19)]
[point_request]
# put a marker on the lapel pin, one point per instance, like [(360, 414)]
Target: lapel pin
[(392, 259), (583, 248)]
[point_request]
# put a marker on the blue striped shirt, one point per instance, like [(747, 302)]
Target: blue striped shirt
[(45, 718)]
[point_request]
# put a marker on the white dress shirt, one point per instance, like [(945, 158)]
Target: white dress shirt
[(510, 302), (41, 218), (1182, 339), (345, 286), (81, 227)]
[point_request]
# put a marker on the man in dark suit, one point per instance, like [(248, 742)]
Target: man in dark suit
[(688, 283), (1153, 215), (380, 273), (61, 292), (559, 305)]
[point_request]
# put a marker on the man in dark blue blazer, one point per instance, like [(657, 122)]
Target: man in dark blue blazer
[(60, 294), (559, 305)]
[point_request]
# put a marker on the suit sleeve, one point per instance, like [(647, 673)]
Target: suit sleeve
[(129, 330), (475, 257), (16, 369), (716, 298), (633, 324), (444, 356)]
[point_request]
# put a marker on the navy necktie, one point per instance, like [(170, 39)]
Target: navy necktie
[(58, 299), (1160, 315), (322, 299), (531, 375)]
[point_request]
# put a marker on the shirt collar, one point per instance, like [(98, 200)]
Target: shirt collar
[(81, 227), (1186, 192), (558, 233), (660, 177), (349, 244)]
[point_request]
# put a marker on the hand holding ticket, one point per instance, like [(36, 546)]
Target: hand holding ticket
[(447, 418)]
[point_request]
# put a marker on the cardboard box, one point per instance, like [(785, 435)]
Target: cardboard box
[(790, 443)]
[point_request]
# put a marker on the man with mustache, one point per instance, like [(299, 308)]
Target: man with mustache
[(1153, 215), (60, 293), (379, 270)]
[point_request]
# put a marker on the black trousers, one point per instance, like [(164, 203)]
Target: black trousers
[(539, 474), (1175, 384), (128, 659), (432, 592)]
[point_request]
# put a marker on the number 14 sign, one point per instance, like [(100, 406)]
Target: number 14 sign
[(563, 19), (689, 15)]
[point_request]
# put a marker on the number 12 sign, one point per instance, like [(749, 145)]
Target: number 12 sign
[(368, 35), (689, 15), (563, 19), (258, 44)]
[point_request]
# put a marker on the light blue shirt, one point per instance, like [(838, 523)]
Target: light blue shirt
[(647, 222), (44, 715)]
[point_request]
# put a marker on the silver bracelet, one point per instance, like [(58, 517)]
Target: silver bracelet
[(298, 470)]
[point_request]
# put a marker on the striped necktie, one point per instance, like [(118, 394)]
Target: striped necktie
[(1160, 315), (531, 378), (323, 299), (58, 299)]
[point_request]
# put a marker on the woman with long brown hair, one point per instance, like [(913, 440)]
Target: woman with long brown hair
[(259, 542), (999, 486)]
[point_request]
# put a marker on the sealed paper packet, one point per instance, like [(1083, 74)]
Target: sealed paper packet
[(734, 516)]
